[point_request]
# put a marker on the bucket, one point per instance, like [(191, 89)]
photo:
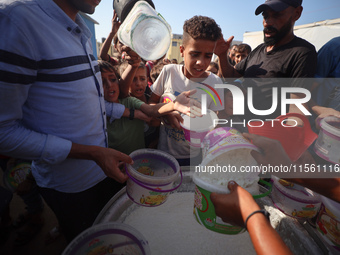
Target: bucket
[(195, 129), (109, 238), (226, 153), (328, 224), (294, 140), (16, 174), (294, 200), (151, 177), (204, 210), (327, 145), (123, 7), (145, 31)]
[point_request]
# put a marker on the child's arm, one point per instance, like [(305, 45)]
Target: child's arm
[(114, 110), (107, 44), (183, 104), (238, 208), (129, 73), (138, 114)]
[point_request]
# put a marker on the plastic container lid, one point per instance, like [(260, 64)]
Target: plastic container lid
[(109, 238), (165, 167)]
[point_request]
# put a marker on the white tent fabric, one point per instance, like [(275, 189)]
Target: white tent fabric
[(317, 33)]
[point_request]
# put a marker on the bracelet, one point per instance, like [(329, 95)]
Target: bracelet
[(263, 211), (132, 114)]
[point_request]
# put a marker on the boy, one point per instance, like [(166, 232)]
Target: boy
[(127, 134), (241, 52), (199, 39)]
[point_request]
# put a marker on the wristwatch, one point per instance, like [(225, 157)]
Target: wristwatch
[(132, 114)]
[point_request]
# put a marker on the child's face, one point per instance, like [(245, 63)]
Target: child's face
[(111, 86), (228, 103), (139, 83), (197, 56), (212, 69), (239, 56)]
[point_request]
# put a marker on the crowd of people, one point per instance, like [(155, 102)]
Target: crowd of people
[(76, 119)]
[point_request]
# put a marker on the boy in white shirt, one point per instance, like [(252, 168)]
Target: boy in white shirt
[(199, 40)]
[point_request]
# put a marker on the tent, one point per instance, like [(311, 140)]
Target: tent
[(317, 33)]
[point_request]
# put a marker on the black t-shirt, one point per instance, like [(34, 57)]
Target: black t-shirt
[(286, 66)]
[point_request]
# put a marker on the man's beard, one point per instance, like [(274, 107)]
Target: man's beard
[(271, 41)]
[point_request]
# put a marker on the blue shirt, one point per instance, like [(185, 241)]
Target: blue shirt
[(50, 93), (328, 75)]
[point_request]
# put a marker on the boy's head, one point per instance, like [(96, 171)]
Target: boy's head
[(199, 40), (110, 81), (241, 52), (140, 81), (213, 67), (231, 54)]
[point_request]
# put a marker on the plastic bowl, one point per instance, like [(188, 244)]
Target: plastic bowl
[(295, 200), (109, 238), (151, 177)]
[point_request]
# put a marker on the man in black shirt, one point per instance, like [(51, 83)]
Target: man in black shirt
[(282, 55)]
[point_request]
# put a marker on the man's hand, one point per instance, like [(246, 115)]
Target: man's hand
[(325, 112), (223, 46), (110, 161), (272, 151)]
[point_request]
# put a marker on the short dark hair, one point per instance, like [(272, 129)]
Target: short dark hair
[(105, 66), (214, 64), (201, 27), (243, 47)]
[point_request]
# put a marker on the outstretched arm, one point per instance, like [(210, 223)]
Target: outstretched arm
[(129, 73), (274, 154), (107, 43), (183, 104), (235, 208)]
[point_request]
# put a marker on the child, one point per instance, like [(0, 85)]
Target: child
[(127, 134), (199, 39), (241, 52), (139, 89), (213, 68), (139, 83)]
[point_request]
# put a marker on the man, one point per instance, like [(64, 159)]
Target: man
[(282, 55), (327, 94), (52, 109)]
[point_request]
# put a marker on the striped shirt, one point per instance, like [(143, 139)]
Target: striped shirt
[(50, 93)]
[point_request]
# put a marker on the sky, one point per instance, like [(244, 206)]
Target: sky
[(234, 17)]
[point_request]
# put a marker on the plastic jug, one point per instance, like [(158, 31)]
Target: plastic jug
[(294, 140), (145, 31)]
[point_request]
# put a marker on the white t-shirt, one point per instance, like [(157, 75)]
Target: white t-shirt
[(169, 84)]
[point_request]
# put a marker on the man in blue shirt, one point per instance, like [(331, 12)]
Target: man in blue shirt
[(52, 109)]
